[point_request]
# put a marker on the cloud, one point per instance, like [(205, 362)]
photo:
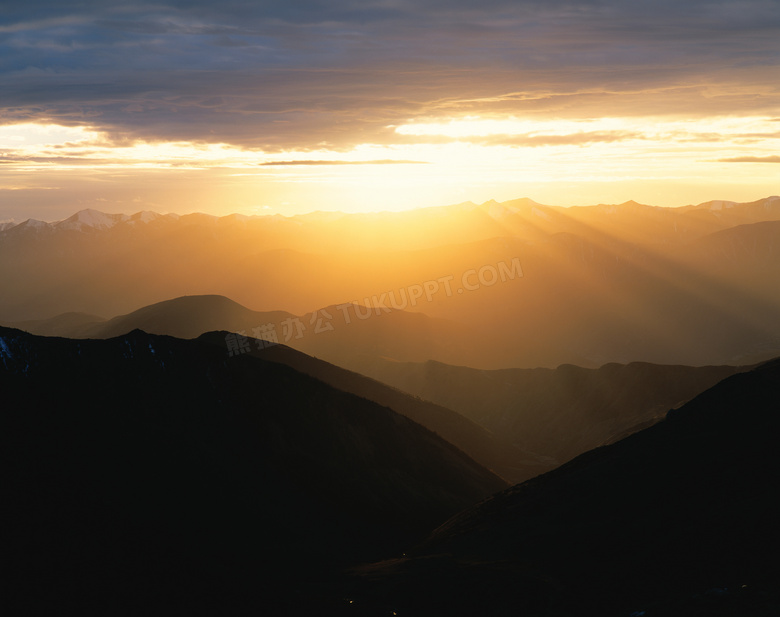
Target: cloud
[(574, 139), (381, 162), (750, 159), (276, 75)]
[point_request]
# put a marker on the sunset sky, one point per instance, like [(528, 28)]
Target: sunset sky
[(287, 107)]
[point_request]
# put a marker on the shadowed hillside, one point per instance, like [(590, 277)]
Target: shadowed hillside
[(557, 413), (147, 471), (490, 450), (677, 520)]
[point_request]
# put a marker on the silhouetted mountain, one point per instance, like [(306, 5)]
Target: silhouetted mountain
[(67, 324), (346, 334), (555, 413), (677, 520), (147, 473), (351, 343), (743, 248), (488, 449), (186, 317), (543, 416)]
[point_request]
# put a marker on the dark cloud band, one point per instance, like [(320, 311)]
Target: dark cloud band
[(310, 74)]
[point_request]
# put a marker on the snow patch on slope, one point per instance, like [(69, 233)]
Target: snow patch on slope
[(91, 219), (5, 352), (33, 224), (146, 216)]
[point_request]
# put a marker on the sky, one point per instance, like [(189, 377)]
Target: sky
[(286, 107)]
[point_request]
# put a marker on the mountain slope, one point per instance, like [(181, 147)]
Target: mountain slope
[(557, 413), (186, 317), (679, 519), (606, 283), (488, 449), (147, 471), (346, 334), (65, 324), (348, 343)]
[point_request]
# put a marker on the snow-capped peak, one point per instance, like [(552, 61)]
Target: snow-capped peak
[(145, 216), (91, 219), (33, 224)]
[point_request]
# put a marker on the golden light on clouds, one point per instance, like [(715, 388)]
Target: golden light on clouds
[(376, 105), (443, 160)]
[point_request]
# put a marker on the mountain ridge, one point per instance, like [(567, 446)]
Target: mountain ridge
[(675, 520), (148, 471), (96, 219), (588, 286)]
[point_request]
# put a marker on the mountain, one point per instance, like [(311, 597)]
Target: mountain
[(491, 450), (91, 219), (186, 317), (676, 520), (88, 220), (352, 343), (66, 324), (555, 413), (743, 247), (152, 473), (346, 334), (523, 284), (516, 422)]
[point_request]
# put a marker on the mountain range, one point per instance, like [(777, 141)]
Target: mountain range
[(555, 413), (676, 520), (516, 422), (523, 284), (500, 409), (346, 334)]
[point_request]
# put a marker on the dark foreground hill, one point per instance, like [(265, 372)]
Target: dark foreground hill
[(677, 520), (147, 474)]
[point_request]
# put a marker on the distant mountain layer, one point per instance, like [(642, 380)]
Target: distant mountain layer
[(697, 219), (522, 284), (556, 413), (147, 471), (677, 520), (489, 449), (344, 334)]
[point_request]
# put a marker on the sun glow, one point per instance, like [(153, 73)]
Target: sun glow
[(33, 136), (436, 161)]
